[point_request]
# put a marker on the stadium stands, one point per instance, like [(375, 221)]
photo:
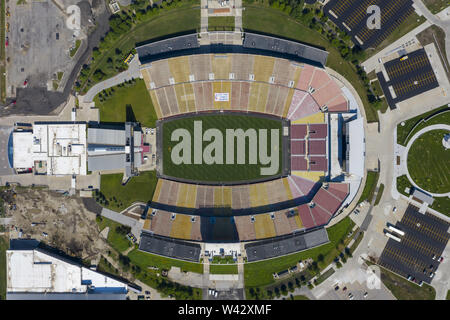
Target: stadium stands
[(265, 84)]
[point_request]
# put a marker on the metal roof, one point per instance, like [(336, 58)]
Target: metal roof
[(262, 42), (272, 248)]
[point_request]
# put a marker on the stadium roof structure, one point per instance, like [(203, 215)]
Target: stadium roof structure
[(271, 248), (169, 247), (253, 44), (263, 42)]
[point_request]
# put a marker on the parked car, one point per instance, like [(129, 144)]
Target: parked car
[(365, 294), (441, 259)]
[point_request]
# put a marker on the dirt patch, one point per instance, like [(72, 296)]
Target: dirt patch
[(60, 221)]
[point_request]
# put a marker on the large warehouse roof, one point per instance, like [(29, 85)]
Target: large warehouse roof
[(36, 271)]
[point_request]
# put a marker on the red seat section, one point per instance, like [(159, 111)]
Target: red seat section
[(297, 147), (327, 201), (298, 131), (306, 216), (305, 77), (317, 147), (299, 163), (340, 190), (318, 163), (318, 131), (338, 104), (320, 215)]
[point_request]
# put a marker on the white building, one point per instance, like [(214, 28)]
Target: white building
[(37, 274), (51, 148)]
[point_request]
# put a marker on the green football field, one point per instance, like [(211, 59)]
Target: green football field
[(218, 172)]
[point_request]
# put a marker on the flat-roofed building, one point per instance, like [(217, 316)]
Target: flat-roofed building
[(35, 273), (51, 148)]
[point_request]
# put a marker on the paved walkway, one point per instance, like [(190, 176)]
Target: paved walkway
[(133, 72), (406, 151), (135, 225)]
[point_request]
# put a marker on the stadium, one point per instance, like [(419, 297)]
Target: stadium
[(275, 198)]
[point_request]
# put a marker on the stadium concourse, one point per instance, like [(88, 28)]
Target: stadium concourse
[(274, 77)]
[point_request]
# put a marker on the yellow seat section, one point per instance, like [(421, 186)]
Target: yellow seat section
[(310, 175), (182, 103), (287, 104), (179, 68), (263, 68), (296, 74), (253, 195), (221, 66), (318, 117), (157, 191), (147, 224), (181, 227), (191, 196), (262, 97), (226, 88), (227, 198), (254, 92), (182, 194), (264, 226), (287, 188), (298, 221), (218, 197), (189, 97), (262, 194), (217, 88)]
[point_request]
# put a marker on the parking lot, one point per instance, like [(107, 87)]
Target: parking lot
[(351, 16), (409, 76), (417, 255)]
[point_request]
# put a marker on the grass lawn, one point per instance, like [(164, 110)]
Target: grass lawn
[(448, 295), (300, 297), (105, 266), (146, 260), (324, 276), (4, 245), (429, 162), (379, 194), (116, 240), (442, 204), (271, 21), (413, 125), (223, 269), (260, 273), (74, 50), (369, 188), (403, 183), (436, 5), (185, 17), (139, 188), (403, 289), (217, 172), (220, 23), (114, 107)]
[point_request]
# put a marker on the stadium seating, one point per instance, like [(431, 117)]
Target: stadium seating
[(264, 226), (245, 228)]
